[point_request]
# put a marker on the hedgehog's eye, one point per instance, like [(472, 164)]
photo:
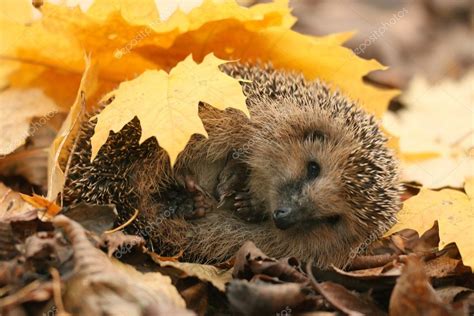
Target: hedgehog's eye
[(314, 136), (313, 170)]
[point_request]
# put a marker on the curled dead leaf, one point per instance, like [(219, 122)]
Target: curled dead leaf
[(101, 285), (413, 293)]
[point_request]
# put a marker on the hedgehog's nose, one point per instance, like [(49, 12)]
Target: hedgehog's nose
[(283, 218)]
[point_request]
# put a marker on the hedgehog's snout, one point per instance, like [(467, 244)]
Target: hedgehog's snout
[(284, 217)]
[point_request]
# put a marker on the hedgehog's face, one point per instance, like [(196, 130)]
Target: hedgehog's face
[(305, 180), (305, 186)]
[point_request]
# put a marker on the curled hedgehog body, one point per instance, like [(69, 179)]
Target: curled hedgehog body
[(308, 176)]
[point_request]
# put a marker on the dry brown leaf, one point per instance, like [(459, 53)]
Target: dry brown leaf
[(217, 277), (102, 285), (346, 301), (118, 241), (254, 299), (414, 295)]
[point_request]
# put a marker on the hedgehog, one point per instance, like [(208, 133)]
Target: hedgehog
[(308, 175)]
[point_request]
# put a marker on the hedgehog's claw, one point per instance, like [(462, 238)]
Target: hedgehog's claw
[(245, 208)]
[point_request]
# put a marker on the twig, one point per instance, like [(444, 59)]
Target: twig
[(124, 224), (57, 292)]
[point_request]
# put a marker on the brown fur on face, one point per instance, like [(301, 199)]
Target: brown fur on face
[(353, 198)]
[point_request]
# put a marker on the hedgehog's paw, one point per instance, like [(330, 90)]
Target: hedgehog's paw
[(233, 178), (245, 208), (201, 202)]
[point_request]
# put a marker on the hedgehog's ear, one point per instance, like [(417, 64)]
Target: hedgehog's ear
[(314, 135)]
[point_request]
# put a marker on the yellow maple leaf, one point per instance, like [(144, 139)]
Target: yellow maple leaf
[(128, 37), (169, 103), (454, 211)]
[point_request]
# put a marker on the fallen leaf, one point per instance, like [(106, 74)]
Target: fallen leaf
[(250, 261), (346, 301), (17, 109), (38, 201), (129, 38), (118, 241), (102, 285), (31, 159), (94, 218), (17, 11), (439, 152), (64, 141), (123, 26), (169, 103), (266, 299), (6, 69), (217, 277), (11, 202), (453, 211), (25, 224), (444, 266), (414, 295), (449, 294), (46, 250), (154, 282), (196, 295)]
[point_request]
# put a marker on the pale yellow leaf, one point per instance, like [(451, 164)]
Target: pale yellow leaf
[(11, 202), (454, 211), (63, 142), (167, 104), (17, 109), (436, 132), (20, 11)]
